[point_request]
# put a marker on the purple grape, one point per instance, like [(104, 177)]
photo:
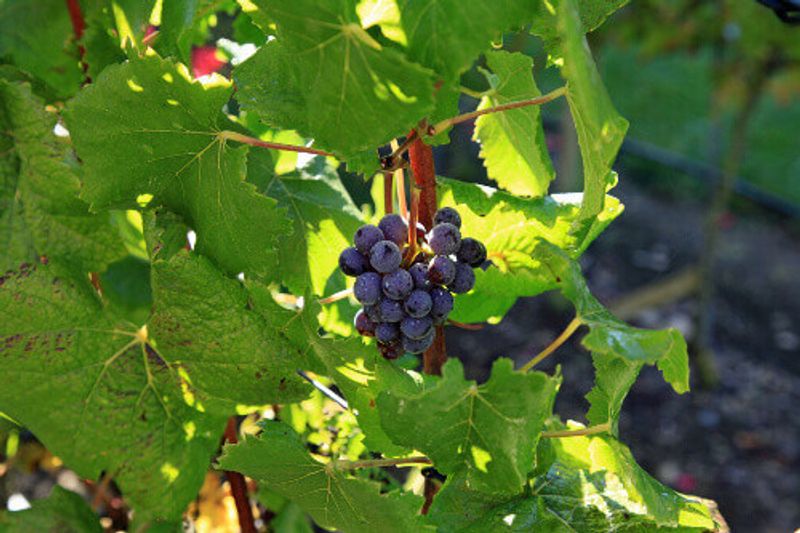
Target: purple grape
[(398, 284), (352, 263), (441, 270), (448, 215), (391, 310), (394, 228), (386, 332), (464, 280), (416, 328), (444, 239), (364, 325), (418, 303), (442, 304), (367, 289), (391, 350), (385, 256), (472, 252), (419, 273), (418, 345), (373, 312), (366, 237)]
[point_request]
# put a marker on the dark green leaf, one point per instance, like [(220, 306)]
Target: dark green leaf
[(40, 213), (278, 459), (63, 511), (144, 128), (490, 430), (330, 80), (98, 394)]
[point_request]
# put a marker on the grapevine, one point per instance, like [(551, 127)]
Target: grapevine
[(186, 266)]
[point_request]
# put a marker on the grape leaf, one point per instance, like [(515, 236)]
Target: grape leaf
[(184, 23), (144, 128), (447, 35), (63, 510), (324, 221), (37, 37), (209, 326), (490, 430), (332, 81), (98, 394), (511, 227), (513, 147), (279, 460), (592, 15), (600, 128), (614, 377), (40, 213), (666, 348), (593, 484)]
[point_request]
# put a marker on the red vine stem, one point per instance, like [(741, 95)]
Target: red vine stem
[(239, 486), (421, 158), (388, 198), (78, 25)]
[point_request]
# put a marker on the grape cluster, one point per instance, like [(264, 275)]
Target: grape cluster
[(405, 291)]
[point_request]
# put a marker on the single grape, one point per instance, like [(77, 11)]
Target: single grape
[(444, 239), (394, 228), (449, 215), (391, 310), (442, 304), (366, 237), (441, 270), (416, 328), (391, 350), (352, 263), (472, 252), (418, 345), (373, 312), (464, 280), (385, 256), (364, 325), (419, 273), (418, 303), (367, 288), (386, 332), (398, 284)]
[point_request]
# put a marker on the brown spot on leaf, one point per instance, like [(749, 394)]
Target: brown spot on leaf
[(258, 375), (153, 357)]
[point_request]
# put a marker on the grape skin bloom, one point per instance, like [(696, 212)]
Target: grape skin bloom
[(385, 257)]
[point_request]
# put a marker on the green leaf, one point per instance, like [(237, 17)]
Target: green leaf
[(324, 221), (212, 328), (98, 394), (610, 336), (40, 213), (614, 377), (279, 460), (600, 128), (594, 484), (185, 23), (600, 473), (447, 35), (126, 289), (490, 430), (144, 128), (592, 15), (330, 80), (62, 511), (37, 37), (511, 228), (513, 146)]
